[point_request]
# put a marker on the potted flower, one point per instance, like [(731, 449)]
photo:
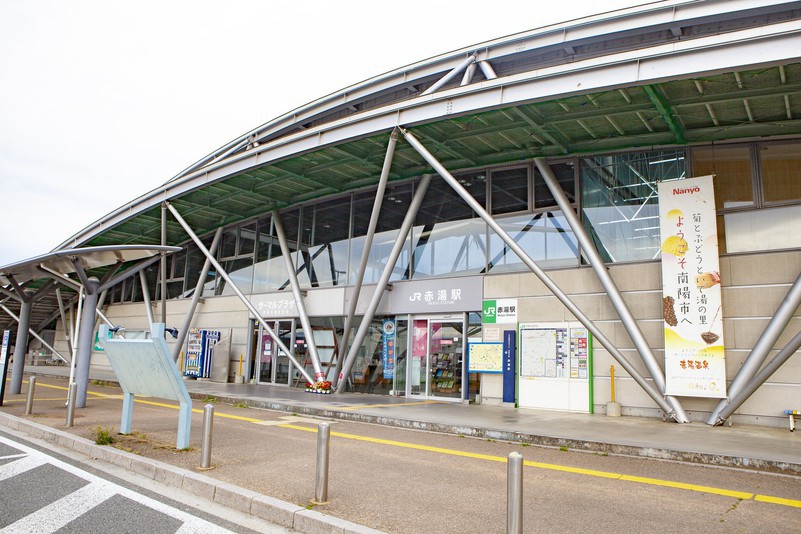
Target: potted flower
[(321, 386)]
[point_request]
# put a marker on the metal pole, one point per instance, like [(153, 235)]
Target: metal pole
[(531, 264), (452, 74), (368, 244), (71, 404), (293, 281), (763, 346), (29, 401), (252, 309), (403, 233), (321, 485), (190, 313), (760, 378), (163, 266), (78, 315), (85, 341), (146, 296), (21, 346), (514, 493), (611, 289), (208, 429)]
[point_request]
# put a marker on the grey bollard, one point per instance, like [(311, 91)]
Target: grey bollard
[(321, 486), (514, 494), (71, 404), (29, 402), (208, 428)]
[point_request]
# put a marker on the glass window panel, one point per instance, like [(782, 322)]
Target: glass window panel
[(227, 247), (241, 273), (765, 229), (731, 166), (546, 238), (326, 227), (393, 209), (450, 248), (247, 239), (178, 264), (270, 272), (620, 201), (565, 175), (509, 190), (780, 171), (448, 237)]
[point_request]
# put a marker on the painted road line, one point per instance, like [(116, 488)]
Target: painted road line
[(501, 459), (566, 469)]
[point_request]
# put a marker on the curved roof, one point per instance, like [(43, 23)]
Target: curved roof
[(666, 73)]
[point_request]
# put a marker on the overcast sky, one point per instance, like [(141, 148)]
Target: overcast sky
[(102, 101)]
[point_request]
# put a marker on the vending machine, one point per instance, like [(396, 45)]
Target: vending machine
[(199, 352)]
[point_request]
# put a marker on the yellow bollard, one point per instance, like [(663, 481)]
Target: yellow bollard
[(240, 365), (612, 378), (613, 407)]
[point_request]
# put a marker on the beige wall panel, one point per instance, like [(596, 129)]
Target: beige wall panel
[(756, 269), (637, 277), (502, 286), (753, 301)]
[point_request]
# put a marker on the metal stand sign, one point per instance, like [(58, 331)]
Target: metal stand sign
[(4, 364)]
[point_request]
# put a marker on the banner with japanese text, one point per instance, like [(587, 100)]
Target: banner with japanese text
[(695, 364)]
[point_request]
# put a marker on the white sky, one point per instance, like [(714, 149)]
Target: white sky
[(102, 101)]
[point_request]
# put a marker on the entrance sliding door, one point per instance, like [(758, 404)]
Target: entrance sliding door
[(273, 364), (437, 355)]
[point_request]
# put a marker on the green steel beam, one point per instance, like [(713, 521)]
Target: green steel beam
[(665, 111)]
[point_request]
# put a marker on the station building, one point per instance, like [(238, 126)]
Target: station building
[(501, 200)]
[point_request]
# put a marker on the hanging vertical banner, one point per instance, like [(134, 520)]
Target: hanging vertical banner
[(388, 347), (4, 363), (695, 364)]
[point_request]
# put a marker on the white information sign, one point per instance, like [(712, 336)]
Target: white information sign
[(695, 364)]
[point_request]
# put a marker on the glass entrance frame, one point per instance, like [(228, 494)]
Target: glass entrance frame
[(435, 366), (273, 365)]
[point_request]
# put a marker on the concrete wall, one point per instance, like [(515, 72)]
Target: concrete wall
[(753, 287)]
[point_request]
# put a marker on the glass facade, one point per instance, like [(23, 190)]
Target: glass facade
[(758, 199)]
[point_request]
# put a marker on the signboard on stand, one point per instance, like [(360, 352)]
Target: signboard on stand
[(4, 363), (695, 363)]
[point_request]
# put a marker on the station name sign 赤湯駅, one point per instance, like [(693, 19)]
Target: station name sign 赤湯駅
[(695, 364), (440, 295)]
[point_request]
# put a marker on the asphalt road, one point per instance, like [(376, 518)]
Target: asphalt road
[(404, 481), (43, 492)]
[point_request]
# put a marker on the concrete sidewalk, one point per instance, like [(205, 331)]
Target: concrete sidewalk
[(270, 473), (762, 448)]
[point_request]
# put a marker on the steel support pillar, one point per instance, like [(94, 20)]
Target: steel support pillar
[(146, 296), (762, 347), (381, 286), (531, 264), (368, 244), (163, 267), (611, 289), (21, 345), (760, 378), (293, 282), (469, 60), (190, 313), (252, 309), (85, 340)]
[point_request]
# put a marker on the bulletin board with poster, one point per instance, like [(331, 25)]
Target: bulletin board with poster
[(555, 370), (484, 357)]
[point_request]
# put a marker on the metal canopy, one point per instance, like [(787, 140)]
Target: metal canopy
[(664, 74), (64, 261), (32, 273)]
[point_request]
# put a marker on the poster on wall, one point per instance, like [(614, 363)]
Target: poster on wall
[(695, 364)]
